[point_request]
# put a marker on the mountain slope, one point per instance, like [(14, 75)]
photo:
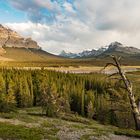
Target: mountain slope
[(67, 127), (24, 54), (14, 47), (119, 49)]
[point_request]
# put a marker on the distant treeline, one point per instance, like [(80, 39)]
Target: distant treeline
[(89, 95)]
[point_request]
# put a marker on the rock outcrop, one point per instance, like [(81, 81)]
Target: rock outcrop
[(10, 38)]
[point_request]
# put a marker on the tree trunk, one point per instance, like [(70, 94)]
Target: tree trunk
[(128, 86)]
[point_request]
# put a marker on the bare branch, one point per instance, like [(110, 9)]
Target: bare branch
[(119, 79), (114, 74), (113, 56), (107, 65), (119, 58)]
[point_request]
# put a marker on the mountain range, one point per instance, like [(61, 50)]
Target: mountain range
[(115, 48), (14, 47), (83, 54)]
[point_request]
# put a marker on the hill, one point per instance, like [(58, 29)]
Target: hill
[(27, 54)]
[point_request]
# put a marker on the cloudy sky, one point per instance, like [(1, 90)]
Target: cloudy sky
[(74, 25)]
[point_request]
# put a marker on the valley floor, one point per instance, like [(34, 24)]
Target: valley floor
[(93, 69), (83, 69), (29, 124)]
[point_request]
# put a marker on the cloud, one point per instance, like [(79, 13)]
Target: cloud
[(78, 25), (73, 37), (68, 7), (54, 37), (43, 11), (121, 15)]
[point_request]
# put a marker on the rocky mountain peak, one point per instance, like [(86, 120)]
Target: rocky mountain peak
[(115, 45), (10, 38), (85, 53), (118, 47)]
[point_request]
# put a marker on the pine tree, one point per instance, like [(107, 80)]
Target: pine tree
[(2, 93), (10, 96)]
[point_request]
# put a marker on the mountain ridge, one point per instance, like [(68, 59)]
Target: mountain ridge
[(112, 48)]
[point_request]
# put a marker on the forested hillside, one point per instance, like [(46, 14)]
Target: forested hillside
[(89, 95)]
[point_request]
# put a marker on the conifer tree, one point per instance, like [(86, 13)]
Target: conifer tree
[(2, 93), (10, 96)]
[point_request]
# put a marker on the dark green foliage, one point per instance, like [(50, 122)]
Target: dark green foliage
[(7, 98), (88, 95), (48, 100)]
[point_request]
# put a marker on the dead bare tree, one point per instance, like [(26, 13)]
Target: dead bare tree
[(128, 87)]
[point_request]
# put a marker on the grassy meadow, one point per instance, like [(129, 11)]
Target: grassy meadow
[(30, 124)]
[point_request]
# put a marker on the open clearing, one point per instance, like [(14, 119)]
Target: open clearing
[(29, 124)]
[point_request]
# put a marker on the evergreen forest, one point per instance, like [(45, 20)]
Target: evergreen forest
[(92, 96)]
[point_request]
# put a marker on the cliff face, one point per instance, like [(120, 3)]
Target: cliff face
[(9, 38)]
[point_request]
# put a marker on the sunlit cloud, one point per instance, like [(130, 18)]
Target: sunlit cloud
[(78, 25)]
